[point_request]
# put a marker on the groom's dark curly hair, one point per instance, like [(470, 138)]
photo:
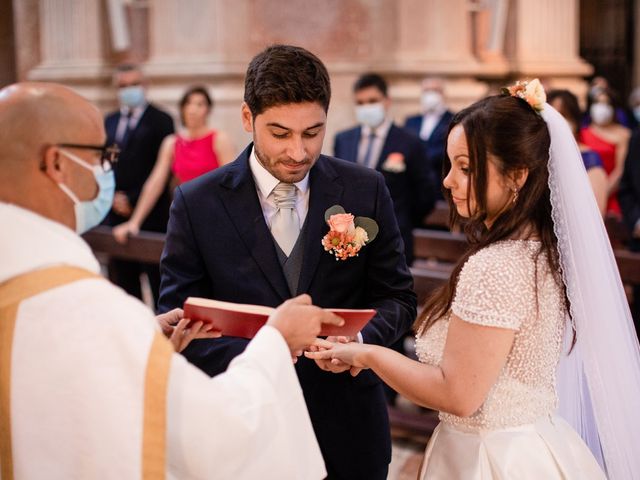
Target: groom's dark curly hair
[(285, 74)]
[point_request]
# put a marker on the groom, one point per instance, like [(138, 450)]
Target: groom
[(251, 232)]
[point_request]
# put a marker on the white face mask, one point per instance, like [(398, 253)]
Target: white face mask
[(371, 114), (90, 213), (601, 113), (431, 101)]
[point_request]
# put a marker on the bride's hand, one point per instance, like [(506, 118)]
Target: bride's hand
[(352, 354)]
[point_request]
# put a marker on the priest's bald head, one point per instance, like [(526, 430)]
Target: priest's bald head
[(51, 155)]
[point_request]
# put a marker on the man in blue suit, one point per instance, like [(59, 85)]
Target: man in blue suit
[(138, 128), (379, 144), (432, 126), (230, 238)]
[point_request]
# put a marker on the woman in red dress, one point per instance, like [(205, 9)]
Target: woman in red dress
[(610, 140), (196, 150)]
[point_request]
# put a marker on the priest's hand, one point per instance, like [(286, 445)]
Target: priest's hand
[(300, 322), (339, 356), (181, 331)]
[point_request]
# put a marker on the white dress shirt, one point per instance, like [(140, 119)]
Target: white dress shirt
[(378, 143), (429, 122), (265, 183), (133, 120)]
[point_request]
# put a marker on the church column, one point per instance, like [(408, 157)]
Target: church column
[(545, 43), (72, 41)]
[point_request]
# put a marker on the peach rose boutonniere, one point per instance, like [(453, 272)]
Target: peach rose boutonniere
[(347, 234), (531, 92), (394, 163)]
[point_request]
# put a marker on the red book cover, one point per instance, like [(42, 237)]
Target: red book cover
[(244, 320)]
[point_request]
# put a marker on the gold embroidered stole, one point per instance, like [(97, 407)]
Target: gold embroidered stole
[(17, 289)]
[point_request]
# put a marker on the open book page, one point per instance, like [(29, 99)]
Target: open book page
[(244, 320)]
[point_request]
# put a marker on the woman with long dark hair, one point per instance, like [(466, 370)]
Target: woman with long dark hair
[(490, 341)]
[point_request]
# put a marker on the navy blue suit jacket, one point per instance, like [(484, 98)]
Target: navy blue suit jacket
[(219, 246), (629, 190), (137, 158), (434, 146), (412, 191)]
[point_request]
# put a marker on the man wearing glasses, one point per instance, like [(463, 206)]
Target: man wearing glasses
[(138, 129), (89, 386)]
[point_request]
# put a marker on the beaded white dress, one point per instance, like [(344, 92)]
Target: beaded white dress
[(515, 433)]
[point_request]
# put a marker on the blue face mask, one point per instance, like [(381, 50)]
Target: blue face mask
[(370, 114), (636, 113), (90, 213), (132, 96)]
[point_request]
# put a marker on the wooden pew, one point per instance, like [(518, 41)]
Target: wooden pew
[(425, 280), (144, 247), (437, 250), (617, 231), (438, 245), (628, 266), (438, 217)]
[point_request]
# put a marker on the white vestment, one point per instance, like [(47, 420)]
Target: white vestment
[(77, 382)]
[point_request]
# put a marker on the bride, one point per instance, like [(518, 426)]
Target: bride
[(490, 340)]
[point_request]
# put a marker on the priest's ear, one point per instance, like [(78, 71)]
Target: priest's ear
[(54, 165)]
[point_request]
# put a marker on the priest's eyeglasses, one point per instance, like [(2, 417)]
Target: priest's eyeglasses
[(108, 154)]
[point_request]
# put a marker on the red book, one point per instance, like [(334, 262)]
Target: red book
[(243, 320)]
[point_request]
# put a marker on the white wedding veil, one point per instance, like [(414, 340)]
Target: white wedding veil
[(599, 381)]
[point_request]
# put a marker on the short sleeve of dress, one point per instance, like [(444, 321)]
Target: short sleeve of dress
[(496, 286), (591, 159)]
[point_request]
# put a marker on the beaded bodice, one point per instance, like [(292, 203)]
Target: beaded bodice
[(506, 286)]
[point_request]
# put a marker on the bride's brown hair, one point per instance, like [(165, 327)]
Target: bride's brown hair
[(509, 129)]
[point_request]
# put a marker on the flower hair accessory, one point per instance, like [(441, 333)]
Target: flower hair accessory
[(531, 92), (347, 234)]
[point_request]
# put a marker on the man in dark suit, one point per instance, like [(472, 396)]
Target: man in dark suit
[(432, 127), (378, 143), (251, 232), (629, 198), (138, 128)]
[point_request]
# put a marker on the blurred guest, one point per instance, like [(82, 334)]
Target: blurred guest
[(610, 139), (139, 129), (566, 103), (629, 197), (379, 144), (634, 106), (597, 86), (196, 150), (432, 126)]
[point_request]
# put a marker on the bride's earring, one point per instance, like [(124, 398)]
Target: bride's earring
[(515, 195)]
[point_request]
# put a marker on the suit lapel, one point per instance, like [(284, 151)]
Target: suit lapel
[(354, 143), (325, 191), (240, 199), (386, 146)]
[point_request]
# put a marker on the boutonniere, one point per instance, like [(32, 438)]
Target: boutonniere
[(347, 234), (394, 163)]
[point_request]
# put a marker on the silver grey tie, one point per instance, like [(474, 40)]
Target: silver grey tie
[(285, 224)]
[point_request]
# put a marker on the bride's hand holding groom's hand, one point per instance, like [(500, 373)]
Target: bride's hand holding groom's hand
[(339, 354)]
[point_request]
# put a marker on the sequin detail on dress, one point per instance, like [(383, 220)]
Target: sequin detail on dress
[(497, 287)]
